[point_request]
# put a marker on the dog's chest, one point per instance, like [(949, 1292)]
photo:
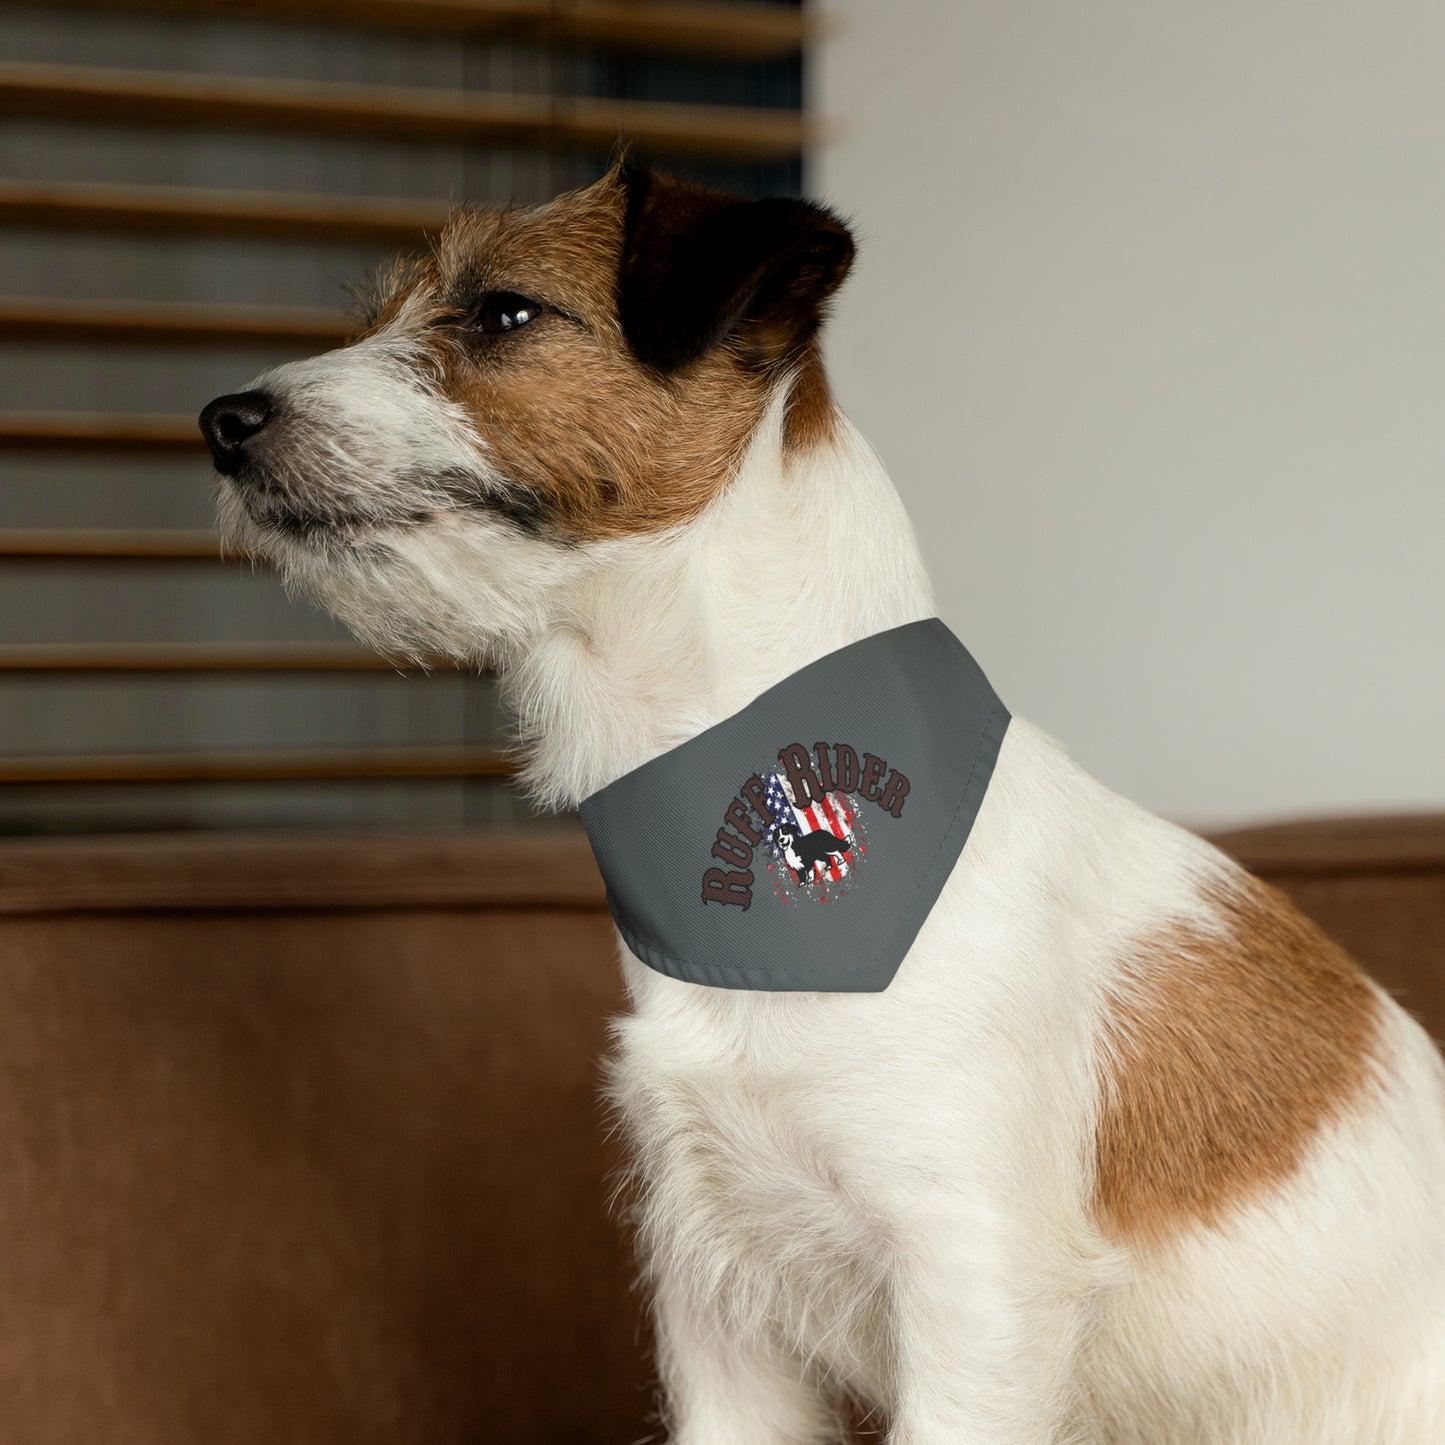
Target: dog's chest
[(741, 1188)]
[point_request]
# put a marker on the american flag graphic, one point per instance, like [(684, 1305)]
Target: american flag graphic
[(835, 814)]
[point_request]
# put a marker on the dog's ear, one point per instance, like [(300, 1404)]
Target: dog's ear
[(699, 266)]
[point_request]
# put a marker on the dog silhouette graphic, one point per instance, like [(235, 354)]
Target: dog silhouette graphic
[(802, 852)]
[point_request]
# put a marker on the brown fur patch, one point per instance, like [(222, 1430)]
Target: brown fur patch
[(812, 413), (1226, 1054), (381, 301), (603, 445), (609, 447)]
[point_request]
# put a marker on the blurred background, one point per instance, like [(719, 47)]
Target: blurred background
[(1149, 324)]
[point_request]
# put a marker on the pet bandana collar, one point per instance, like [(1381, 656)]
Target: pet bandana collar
[(755, 856)]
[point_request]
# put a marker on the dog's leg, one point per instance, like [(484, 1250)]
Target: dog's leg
[(721, 1389), (983, 1354)]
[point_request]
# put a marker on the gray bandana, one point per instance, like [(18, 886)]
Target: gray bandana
[(756, 856)]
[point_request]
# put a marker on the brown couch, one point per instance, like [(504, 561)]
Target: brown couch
[(301, 1139)]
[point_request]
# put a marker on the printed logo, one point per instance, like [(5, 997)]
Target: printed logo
[(808, 817), (816, 847)]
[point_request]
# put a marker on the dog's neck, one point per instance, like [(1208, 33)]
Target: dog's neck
[(804, 553)]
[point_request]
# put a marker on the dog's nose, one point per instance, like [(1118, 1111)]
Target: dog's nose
[(229, 422)]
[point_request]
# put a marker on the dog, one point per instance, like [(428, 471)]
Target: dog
[(804, 852), (1127, 1153)]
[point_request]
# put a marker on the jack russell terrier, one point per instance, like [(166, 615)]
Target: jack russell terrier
[(1125, 1152)]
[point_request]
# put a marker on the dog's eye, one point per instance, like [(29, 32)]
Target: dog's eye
[(504, 311)]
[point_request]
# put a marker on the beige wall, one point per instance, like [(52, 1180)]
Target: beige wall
[(1149, 323)]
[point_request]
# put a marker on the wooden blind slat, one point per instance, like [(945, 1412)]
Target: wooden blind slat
[(753, 32), (176, 210), (79, 431), (76, 544), (201, 657), (259, 767), (169, 323), (706, 29), (217, 102)]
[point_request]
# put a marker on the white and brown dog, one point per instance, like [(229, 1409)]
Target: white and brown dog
[(1127, 1152)]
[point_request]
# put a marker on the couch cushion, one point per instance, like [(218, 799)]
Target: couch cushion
[(303, 1143)]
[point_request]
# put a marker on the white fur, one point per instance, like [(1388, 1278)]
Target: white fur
[(890, 1193)]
